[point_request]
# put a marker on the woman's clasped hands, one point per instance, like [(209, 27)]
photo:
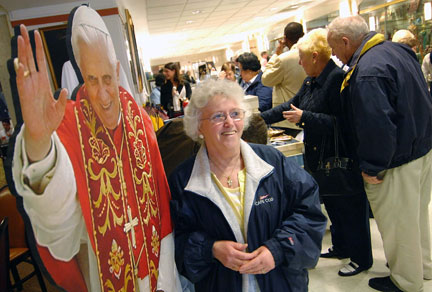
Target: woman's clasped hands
[(234, 256)]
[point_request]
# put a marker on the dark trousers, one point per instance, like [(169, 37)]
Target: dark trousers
[(350, 229)]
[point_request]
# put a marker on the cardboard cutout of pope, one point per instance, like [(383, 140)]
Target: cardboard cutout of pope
[(90, 173)]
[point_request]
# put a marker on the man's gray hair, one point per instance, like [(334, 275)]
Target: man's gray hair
[(203, 94), (89, 29), (352, 27)]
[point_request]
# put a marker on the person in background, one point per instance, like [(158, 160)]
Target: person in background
[(213, 72), (228, 71), (406, 37), (155, 96), (283, 71), (264, 60), (4, 111), (6, 131), (237, 69), (189, 77), (427, 69), (388, 109), (202, 73), (175, 91), (251, 80), (246, 217), (314, 108)]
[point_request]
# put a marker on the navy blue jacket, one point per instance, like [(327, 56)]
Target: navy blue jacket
[(264, 93), (388, 106), (319, 98), (281, 211)]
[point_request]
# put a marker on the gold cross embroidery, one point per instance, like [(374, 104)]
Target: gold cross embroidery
[(129, 226)]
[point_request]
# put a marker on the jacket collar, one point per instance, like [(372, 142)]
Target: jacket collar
[(371, 40), (257, 80), (201, 183)]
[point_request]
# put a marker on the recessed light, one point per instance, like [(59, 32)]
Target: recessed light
[(294, 6), (189, 21), (274, 9), (196, 12)]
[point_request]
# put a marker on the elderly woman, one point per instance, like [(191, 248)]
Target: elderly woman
[(246, 217), (313, 108)]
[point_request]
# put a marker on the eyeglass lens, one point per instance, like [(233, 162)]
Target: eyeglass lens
[(219, 117)]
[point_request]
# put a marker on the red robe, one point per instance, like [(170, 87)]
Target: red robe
[(97, 168)]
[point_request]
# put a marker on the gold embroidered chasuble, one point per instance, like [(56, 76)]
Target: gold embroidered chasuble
[(122, 207)]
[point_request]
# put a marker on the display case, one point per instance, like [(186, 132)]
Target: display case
[(292, 149), (388, 17)]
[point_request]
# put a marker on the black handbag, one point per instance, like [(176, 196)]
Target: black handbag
[(337, 175)]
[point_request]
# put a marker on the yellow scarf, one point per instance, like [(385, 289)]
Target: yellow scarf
[(375, 40)]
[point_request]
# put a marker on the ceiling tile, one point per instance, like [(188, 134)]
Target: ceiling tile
[(192, 17), (234, 1), (164, 3), (161, 10), (231, 7), (226, 13), (208, 5), (162, 23), (202, 1), (166, 16), (160, 30)]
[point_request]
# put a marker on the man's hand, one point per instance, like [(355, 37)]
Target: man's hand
[(294, 115), (280, 46), (41, 113), (373, 180), (262, 263), (222, 75), (231, 254)]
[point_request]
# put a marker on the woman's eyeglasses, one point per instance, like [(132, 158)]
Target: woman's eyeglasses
[(220, 117)]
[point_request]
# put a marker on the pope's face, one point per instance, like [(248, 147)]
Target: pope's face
[(221, 136), (101, 81)]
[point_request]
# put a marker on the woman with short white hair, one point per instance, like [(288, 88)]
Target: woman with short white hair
[(246, 217)]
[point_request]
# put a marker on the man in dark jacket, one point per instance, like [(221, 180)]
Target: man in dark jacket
[(251, 80), (388, 108)]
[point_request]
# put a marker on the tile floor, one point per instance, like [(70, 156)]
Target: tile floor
[(324, 277)]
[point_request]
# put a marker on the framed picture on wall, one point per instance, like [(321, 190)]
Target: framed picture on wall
[(54, 41), (137, 74)]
